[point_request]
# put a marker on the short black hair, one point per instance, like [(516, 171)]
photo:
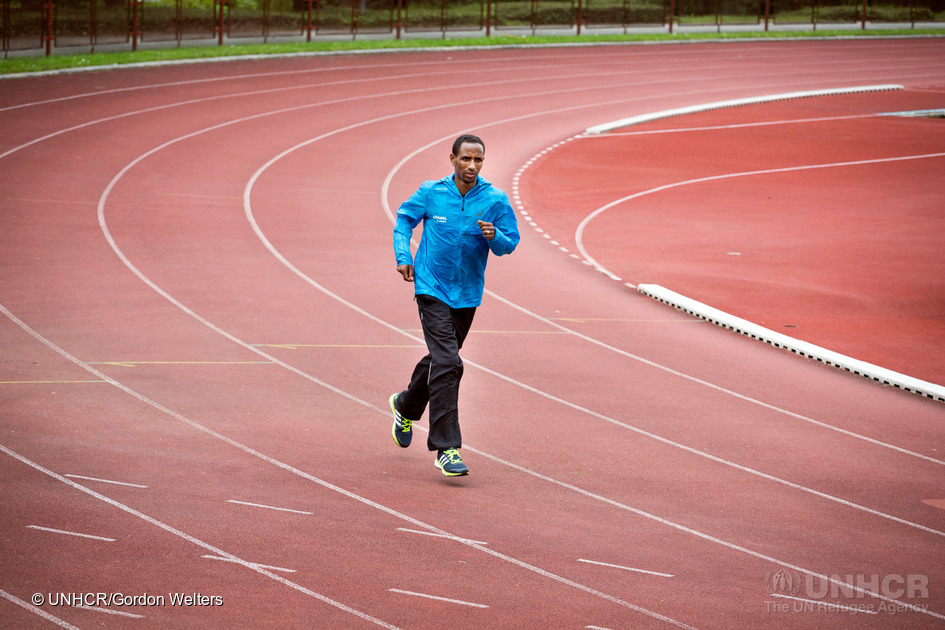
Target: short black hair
[(466, 137)]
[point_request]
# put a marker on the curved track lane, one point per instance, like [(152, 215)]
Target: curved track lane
[(198, 290)]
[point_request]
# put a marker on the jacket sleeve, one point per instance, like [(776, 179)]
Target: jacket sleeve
[(409, 215), (506, 230)]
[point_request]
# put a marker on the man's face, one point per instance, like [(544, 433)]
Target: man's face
[(468, 163)]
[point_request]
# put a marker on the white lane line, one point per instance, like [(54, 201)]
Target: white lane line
[(269, 507), (175, 84), (456, 538), (47, 382), (117, 483), (36, 610), (582, 226), (102, 609), (268, 567), (173, 530), (399, 65), (441, 599), (822, 605), (67, 533), (617, 566)]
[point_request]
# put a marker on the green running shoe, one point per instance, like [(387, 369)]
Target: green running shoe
[(450, 463), (403, 428)]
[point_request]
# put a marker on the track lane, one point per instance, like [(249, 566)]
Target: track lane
[(353, 376)]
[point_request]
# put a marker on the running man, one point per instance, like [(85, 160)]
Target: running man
[(464, 218)]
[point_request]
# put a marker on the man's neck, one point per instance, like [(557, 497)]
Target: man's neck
[(463, 187)]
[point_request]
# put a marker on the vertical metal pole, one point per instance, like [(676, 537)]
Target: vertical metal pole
[(400, 10), (93, 24), (134, 24), (308, 20), (266, 9), (179, 21), (48, 7), (220, 25), (6, 33)]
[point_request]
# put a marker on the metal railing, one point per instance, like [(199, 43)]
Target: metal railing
[(70, 26)]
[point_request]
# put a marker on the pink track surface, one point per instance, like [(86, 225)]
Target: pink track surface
[(816, 217), (202, 325)]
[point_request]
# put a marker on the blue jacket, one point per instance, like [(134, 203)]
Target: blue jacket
[(451, 260)]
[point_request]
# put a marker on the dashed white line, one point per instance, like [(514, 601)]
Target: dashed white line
[(255, 564), (441, 599), (269, 507), (102, 609), (623, 568), (117, 483), (434, 534), (67, 533)]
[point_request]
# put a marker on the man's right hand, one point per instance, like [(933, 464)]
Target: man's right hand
[(406, 271)]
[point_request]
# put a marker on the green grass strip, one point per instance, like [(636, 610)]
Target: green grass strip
[(18, 65)]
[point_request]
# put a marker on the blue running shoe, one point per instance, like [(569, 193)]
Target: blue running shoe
[(450, 463), (403, 428)]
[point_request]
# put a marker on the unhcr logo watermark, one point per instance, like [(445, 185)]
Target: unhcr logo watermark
[(874, 594)]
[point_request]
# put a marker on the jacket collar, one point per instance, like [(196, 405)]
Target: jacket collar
[(481, 182)]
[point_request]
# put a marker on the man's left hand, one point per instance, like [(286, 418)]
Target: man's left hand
[(488, 230)]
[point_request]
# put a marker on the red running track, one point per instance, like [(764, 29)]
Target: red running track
[(204, 324), (820, 218)]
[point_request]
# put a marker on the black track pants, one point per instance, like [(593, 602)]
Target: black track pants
[(435, 380)]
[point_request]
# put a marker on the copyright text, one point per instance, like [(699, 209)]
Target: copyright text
[(111, 600)]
